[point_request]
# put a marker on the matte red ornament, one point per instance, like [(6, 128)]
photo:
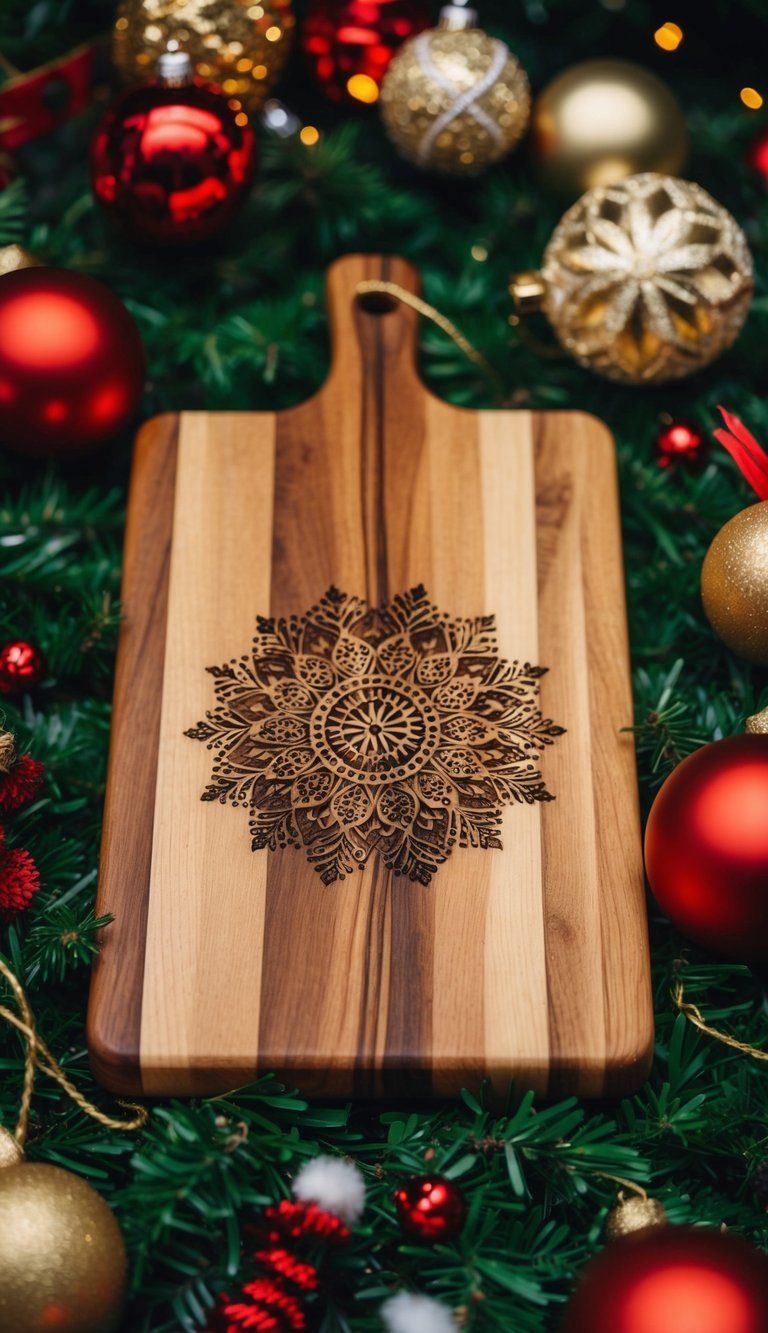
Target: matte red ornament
[(173, 163), (71, 362), (680, 441), (349, 45), (706, 847), (22, 666), (672, 1280), (431, 1209)]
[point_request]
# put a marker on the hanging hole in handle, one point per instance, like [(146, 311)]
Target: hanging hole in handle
[(377, 303)]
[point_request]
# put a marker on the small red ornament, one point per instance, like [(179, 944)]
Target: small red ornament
[(349, 45), (263, 1306), (22, 666), (19, 881), (291, 1219), (173, 159), (71, 362), (680, 441), (673, 1280), (706, 847), (431, 1209)]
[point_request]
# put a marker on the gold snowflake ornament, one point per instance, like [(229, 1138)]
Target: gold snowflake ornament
[(647, 280), (395, 729)]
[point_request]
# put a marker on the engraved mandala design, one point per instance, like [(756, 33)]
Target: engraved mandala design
[(393, 729)]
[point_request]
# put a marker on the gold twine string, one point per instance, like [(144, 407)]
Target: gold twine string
[(695, 1016), (39, 1057), (429, 312)]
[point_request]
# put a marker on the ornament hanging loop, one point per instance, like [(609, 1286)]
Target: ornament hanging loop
[(39, 1057), (442, 321)]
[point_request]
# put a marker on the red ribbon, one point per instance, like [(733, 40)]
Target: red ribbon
[(35, 103), (748, 454)]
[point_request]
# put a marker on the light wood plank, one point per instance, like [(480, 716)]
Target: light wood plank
[(202, 978)]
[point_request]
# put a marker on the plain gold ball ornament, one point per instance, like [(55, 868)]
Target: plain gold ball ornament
[(235, 43), (602, 120), (734, 584), (62, 1259), (644, 281), (454, 99)]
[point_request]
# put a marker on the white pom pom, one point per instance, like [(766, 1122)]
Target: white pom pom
[(334, 1185), (410, 1313)]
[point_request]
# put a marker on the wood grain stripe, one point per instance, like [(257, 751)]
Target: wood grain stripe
[(114, 1013), (207, 897)]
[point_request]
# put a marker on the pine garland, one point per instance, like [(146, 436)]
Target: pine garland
[(243, 326)]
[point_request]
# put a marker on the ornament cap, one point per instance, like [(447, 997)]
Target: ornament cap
[(174, 68), (527, 291), (634, 1214), (455, 18)]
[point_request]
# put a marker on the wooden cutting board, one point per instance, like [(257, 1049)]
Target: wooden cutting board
[(372, 577)]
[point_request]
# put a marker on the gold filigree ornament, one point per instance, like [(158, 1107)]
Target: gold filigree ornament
[(646, 280), (454, 99), (394, 729)]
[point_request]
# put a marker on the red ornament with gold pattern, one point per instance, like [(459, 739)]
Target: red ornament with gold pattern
[(349, 45), (71, 360), (174, 159)]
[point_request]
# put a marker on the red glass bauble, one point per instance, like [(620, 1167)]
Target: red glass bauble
[(71, 362), (349, 45), (173, 163), (430, 1208), (680, 441), (673, 1280), (706, 847), (22, 666)]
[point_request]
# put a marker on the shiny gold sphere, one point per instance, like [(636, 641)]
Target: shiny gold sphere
[(236, 43), (634, 1214), (455, 101), (602, 120), (62, 1260), (647, 280), (734, 584)]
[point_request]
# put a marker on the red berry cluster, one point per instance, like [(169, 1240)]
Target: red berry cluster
[(20, 780)]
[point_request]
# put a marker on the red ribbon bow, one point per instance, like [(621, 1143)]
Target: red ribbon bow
[(749, 455)]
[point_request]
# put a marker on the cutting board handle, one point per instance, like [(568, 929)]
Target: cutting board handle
[(374, 336)]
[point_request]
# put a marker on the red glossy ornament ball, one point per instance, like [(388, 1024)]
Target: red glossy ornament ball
[(430, 1208), (680, 441), (173, 160), (349, 45), (22, 666), (71, 362), (673, 1280), (706, 847)]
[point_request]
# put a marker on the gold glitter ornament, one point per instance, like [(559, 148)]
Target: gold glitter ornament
[(602, 120), (734, 583), (62, 1259), (238, 44), (643, 281), (454, 99)]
